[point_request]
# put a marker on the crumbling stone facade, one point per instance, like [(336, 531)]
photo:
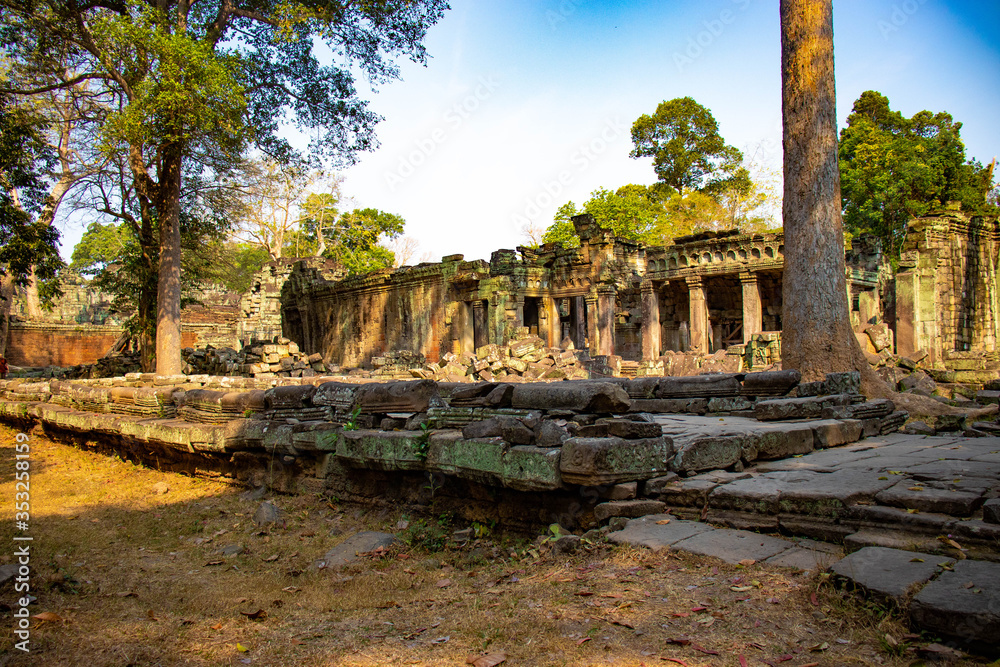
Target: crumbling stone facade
[(618, 300), (946, 291)]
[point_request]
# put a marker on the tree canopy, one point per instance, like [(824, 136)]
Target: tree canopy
[(688, 152), (205, 81), (25, 159), (894, 168)]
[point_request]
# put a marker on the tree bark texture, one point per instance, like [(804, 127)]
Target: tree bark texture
[(168, 301), (816, 328), (6, 305)]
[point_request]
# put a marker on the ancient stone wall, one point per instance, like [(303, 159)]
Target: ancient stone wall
[(50, 344), (946, 289), (622, 302), (79, 304)]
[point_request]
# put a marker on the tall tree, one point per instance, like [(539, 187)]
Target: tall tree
[(894, 168), (688, 152), (27, 246), (816, 333), (216, 77), (269, 195)]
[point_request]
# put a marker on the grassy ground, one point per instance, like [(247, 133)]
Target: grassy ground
[(126, 566)]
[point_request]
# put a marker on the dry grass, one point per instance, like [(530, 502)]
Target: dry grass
[(120, 563)]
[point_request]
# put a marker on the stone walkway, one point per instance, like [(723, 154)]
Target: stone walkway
[(917, 515)]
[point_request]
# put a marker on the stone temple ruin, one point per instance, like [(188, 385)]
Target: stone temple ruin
[(707, 302), (596, 387)]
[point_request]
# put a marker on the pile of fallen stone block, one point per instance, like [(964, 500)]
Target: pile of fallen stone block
[(279, 357), (525, 359)]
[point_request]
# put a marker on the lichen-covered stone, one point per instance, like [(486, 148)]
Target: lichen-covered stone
[(598, 461), (382, 450), (592, 397)]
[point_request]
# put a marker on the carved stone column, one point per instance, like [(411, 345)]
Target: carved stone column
[(592, 325), (606, 320), (752, 313), (650, 321), (579, 324), (479, 324), (698, 315), (518, 310)]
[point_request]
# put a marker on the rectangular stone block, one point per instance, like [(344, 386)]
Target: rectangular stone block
[(378, 450), (699, 386), (697, 406), (798, 408), (599, 461), (480, 460), (528, 468)]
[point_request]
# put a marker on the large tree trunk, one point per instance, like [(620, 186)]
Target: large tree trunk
[(168, 299), (816, 333), (6, 305), (32, 304)]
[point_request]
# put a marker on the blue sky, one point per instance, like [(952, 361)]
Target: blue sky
[(527, 104)]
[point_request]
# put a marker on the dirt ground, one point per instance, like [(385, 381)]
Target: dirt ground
[(130, 566)]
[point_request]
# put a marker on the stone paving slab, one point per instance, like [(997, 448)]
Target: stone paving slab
[(809, 560), (964, 602), (955, 469), (733, 546), (831, 493), (933, 496), (646, 532), (891, 574)]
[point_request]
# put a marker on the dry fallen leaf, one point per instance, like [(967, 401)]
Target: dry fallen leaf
[(217, 626), (662, 522), (814, 599), (258, 615), (491, 660), (747, 562), (49, 616), (444, 583), (743, 661), (151, 615), (271, 559)]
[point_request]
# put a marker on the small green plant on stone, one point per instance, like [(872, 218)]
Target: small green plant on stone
[(430, 535), (422, 442), (481, 530), (352, 422)]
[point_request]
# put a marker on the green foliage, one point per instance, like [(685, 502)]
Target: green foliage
[(894, 168), (24, 241), (194, 86), (352, 421), (562, 230), (632, 212), (423, 442), (688, 153), (354, 240), (101, 245), (238, 263), (430, 535)]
